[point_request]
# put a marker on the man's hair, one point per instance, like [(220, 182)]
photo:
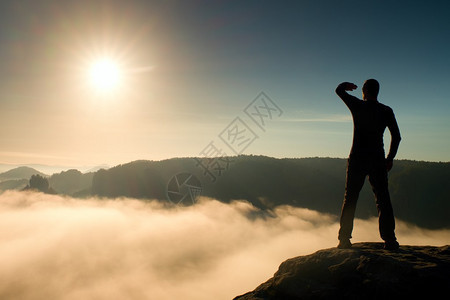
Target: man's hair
[(371, 87)]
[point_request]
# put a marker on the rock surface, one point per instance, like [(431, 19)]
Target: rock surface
[(366, 271)]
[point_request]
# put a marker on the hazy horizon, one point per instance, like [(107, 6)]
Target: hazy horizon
[(52, 168)]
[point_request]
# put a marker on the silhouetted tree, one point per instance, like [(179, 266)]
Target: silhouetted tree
[(40, 183)]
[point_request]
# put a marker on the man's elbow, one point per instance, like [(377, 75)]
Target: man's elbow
[(337, 90), (340, 90)]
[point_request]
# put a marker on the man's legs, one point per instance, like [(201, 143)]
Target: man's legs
[(379, 181), (356, 175)]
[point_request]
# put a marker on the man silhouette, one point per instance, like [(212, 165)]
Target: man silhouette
[(367, 157)]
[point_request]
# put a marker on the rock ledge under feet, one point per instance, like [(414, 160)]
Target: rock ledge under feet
[(364, 271)]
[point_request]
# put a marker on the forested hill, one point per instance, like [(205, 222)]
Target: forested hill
[(419, 190)]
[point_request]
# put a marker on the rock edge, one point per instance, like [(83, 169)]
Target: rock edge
[(364, 271)]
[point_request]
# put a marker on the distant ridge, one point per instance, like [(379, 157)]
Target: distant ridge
[(418, 189), (97, 168), (53, 169), (20, 173)]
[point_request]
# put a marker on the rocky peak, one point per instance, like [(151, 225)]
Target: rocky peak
[(366, 271)]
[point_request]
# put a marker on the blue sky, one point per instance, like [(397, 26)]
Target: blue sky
[(191, 67)]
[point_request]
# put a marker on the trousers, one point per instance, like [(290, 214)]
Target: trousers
[(357, 170)]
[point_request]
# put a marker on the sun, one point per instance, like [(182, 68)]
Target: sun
[(105, 74)]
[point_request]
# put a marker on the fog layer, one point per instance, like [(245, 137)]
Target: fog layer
[(52, 247)]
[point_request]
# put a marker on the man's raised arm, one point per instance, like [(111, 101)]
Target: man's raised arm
[(341, 91)]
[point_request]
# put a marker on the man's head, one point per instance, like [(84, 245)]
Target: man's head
[(370, 89)]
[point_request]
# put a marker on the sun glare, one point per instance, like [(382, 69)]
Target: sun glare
[(104, 75)]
